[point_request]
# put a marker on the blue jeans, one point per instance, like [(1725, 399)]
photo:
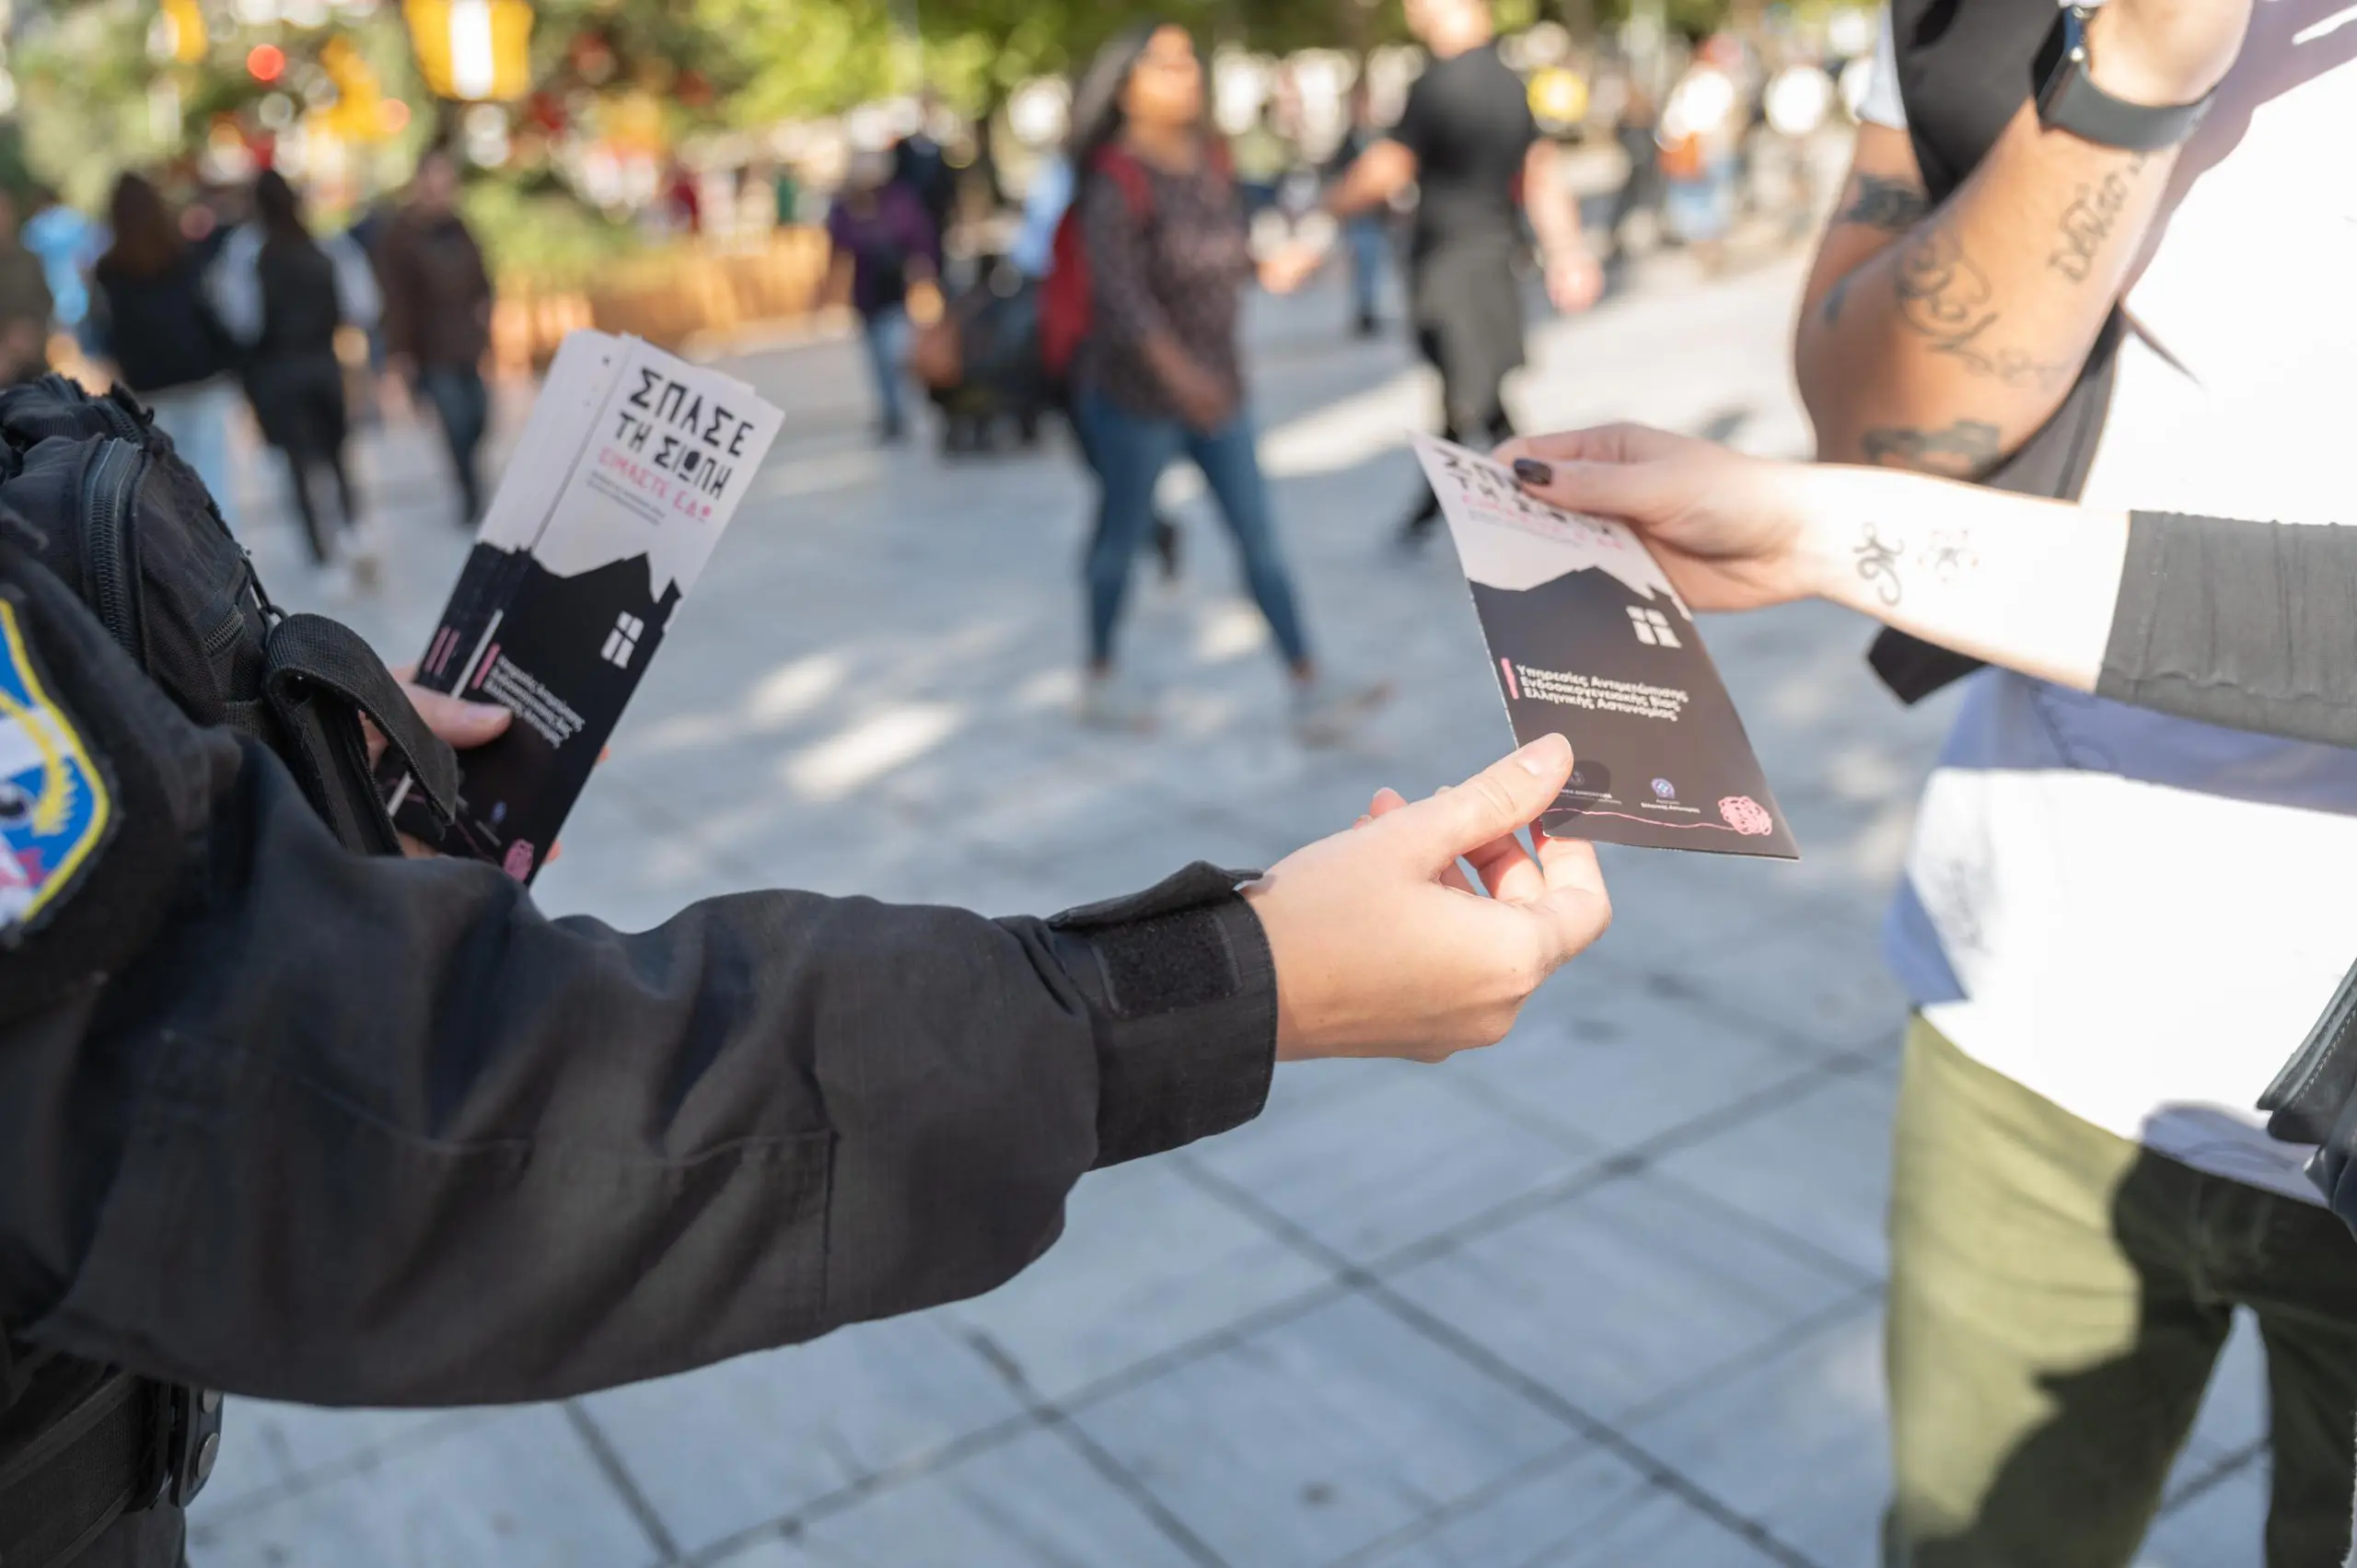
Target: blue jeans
[(886, 336), (462, 403), (1130, 451), (1370, 242), (197, 419)]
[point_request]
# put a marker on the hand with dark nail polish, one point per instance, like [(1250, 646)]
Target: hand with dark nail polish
[(1530, 470)]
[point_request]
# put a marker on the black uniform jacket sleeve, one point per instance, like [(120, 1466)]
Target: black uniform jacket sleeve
[(2248, 624), (282, 1119)]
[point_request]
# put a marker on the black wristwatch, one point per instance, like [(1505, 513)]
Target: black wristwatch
[(2069, 100)]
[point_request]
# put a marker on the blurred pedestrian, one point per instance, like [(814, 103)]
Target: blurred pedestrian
[(1796, 104), (1261, 156), (1701, 137), (1468, 140), (151, 317), (1034, 254), (921, 166), (437, 298), (1636, 125), (24, 303), (884, 247), (283, 294), (67, 243), (1368, 233), (682, 200), (1160, 371)]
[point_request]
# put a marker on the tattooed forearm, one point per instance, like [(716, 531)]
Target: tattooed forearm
[(2088, 221), (1965, 450), (1878, 564), (1945, 298), (1831, 310), (1891, 205)]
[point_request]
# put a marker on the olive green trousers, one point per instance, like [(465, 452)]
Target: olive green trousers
[(2058, 1298)]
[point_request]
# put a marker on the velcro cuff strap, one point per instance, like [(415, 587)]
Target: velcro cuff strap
[(1186, 990)]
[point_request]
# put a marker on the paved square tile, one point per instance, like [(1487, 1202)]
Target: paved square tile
[(2223, 1524), (1149, 1261), (1623, 1296), (1816, 1167), (1317, 1436), (267, 1448), (720, 1450), (1026, 1504), (1589, 1512), (521, 1490), (1368, 1173), (1820, 1484), (1602, 1054)]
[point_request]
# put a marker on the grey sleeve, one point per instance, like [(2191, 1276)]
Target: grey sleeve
[(347, 1130), (2252, 625)]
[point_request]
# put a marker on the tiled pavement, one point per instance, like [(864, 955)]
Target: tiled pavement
[(1607, 1295)]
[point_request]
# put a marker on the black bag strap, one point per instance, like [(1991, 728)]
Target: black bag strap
[(1964, 72), (102, 1459), (321, 680)]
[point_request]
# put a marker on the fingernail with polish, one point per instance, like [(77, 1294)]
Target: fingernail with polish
[(1530, 470)]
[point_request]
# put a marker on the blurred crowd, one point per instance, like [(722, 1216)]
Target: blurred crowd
[(199, 298)]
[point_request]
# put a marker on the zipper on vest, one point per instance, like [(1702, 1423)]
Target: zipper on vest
[(109, 489)]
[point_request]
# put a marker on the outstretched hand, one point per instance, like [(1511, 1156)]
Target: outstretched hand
[(1384, 946), (1729, 529), (1291, 265)]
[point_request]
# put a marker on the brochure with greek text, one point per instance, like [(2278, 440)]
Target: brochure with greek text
[(1588, 639), (630, 467)]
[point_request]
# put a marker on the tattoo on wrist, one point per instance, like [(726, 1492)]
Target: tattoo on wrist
[(1944, 298), (2089, 219), (1892, 205), (1877, 563), (1949, 555), (1965, 450)]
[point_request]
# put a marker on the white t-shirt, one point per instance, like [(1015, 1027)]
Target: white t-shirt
[(2136, 916)]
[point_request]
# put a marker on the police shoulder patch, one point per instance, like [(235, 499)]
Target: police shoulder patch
[(56, 807)]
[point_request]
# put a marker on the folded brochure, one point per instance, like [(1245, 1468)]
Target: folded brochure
[(1588, 639), (630, 465)]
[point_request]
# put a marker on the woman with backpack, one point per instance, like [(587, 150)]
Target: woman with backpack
[(283, 294), (150, 317), (1159, 372)]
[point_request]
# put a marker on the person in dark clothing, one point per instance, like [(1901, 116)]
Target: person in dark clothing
[(921, 166), (151, 317), (1367, 234), (884, 247), (1468, 141), (1160, 371), (284, 294), (1634, 129), (437, 315), (282, 1119)]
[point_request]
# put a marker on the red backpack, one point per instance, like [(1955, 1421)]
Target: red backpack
[(1066, 298)]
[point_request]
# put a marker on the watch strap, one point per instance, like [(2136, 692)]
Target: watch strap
[(2068, 99)]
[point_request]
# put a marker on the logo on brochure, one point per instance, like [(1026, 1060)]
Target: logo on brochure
[(1665, 790)]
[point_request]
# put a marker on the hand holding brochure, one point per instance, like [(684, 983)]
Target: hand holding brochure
[(1586, 637), (632, 464)]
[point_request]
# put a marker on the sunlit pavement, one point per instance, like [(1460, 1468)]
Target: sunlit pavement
[(1607, 1295)]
